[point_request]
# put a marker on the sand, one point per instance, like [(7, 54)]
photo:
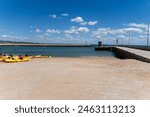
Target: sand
[(75, 78)]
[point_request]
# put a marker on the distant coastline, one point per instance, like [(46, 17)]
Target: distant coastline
[(11, 43), (51, 45)]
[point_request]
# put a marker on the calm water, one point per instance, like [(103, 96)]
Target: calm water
[(54, 51)]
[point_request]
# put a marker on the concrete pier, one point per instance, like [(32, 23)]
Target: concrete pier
[(137, 47), (129, 53)]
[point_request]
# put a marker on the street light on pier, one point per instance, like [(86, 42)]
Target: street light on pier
[(148, 35), (147, 39), (129, 38)]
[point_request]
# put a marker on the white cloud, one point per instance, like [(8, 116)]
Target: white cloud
[(52, 31), (121, 36), (98, 36), (77, 19), (71, 31), (53, 16), (6, 36), (113, 33), (83, 29), (31, 26), (73, 26), (138, 25), (83, 23), (108, 31), (143, 36), (126, 30), (101, 31), (68, 36), (136, 30), (65, 14), (38, 30), (77, 30), (92, 23)]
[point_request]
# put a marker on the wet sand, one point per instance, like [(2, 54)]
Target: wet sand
[(75, 78)]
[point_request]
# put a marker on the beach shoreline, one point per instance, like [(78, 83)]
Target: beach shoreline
[(75, 78)]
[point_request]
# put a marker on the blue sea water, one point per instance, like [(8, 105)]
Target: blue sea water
[(55, 51)]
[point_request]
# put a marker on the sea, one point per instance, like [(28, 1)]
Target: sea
[(55, 51)]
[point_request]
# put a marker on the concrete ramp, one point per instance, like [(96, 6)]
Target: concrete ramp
[(129, 53)]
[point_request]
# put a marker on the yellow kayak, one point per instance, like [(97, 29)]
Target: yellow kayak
[(2, 58), (24, 59), (16, 59), (41, 56), (10, 60)]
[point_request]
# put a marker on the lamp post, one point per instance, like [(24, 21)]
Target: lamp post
[(129, 37), (117, 41), (147, 38), (148, 35)]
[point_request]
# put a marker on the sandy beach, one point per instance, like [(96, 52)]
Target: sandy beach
[(75, 78)]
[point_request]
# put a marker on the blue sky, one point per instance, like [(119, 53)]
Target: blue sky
[(75, 21)]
